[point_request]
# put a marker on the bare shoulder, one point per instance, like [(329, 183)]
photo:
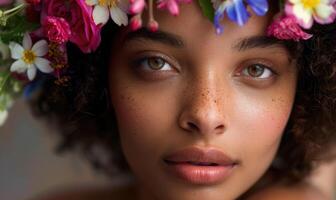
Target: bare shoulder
[(297, 192), (89, 193)]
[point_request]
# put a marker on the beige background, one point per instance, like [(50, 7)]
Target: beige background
[(28, 165)]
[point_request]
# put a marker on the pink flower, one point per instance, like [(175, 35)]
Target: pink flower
[(153, 26), (171, 5), (135, 23), (136, 6), (34, 2), (85, 33), (287, 28), (56, 29), (5, 2)]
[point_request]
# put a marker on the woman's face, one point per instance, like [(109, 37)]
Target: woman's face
[(185, 87)]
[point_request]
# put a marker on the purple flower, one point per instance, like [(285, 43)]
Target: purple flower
[(237, 12), (260, 7)]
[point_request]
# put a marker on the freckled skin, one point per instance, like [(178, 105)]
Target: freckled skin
[(241, 117)]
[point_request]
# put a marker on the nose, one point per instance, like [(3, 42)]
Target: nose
[(203, 110)]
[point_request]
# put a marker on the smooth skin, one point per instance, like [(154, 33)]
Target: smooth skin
[(186, 86)]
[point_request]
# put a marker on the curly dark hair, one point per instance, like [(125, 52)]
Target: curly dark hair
[(81, 110)]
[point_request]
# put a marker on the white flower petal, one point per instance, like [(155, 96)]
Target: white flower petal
[(305, 15), (295, 1), (3, 117), (27, 41), (118, 16), (325, 1), (31, 72), (40, 48), (324, 11), (91, 2), (43, 65), (16, 50), (100, 14), (18, 66)]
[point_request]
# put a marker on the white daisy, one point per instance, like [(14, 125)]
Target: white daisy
[(117, 9), (30, 57)]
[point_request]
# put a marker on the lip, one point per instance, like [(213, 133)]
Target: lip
[(200, 166)]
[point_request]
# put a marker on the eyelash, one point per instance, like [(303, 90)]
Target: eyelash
[(146, 61), (139, 63), (266, 70)]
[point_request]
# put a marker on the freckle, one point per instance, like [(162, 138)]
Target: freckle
[(129, 98), (273, 100)]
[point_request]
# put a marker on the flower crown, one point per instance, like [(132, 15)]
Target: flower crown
[(33, 35)]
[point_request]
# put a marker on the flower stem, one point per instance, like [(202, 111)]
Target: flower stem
[(3, 83), (5, 15)]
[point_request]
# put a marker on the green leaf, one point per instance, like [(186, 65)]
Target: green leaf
[(16, 27), (10, 89), (4, 79), (207, 9)]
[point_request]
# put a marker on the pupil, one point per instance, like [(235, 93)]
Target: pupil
[(255, 70), (155, 63)]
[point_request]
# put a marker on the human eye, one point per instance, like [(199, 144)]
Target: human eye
[(257, 71), (153, 66)]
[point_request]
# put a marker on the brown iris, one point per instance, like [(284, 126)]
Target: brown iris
[(255, 70), (155, 63)]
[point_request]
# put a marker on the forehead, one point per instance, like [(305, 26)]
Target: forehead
[(194, 28)]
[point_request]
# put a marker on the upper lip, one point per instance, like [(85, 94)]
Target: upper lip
[(200, 155)]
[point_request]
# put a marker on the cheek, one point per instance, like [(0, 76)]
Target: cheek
[(257, 124), (260, 121), (266, 118), (143, 120)]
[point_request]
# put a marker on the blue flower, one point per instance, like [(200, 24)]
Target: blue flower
[(219, 15), (237, 12), (260, 7)]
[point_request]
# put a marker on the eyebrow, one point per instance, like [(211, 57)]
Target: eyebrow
[(259, 42), (157, 36), (243, 44)]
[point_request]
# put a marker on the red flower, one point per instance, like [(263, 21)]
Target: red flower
[(56, 29), (85, 33), (34, 2), (287, 28)]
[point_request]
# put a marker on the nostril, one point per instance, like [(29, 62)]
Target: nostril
[(221, 127), (192, 126)]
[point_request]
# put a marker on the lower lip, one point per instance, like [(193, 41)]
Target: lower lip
[(201, 175)]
